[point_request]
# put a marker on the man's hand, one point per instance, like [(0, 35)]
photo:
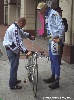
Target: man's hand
[(56, 39), (32, 37), (28, 54)]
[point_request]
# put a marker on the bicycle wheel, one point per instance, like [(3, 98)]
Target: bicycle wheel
[(30, 73), (37, 72), (35, 82)]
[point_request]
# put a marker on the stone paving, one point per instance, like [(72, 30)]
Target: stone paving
[(44, 93), (64, 92)]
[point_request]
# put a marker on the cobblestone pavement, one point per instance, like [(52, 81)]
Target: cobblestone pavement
[(64, 92), (44, 93)]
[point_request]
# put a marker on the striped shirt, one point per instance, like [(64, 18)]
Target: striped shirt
[(14, 34)]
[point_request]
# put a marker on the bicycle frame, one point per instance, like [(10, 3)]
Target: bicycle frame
[(32, 68)]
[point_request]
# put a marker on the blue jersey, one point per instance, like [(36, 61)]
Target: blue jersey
[(15, 34), (54, 24)]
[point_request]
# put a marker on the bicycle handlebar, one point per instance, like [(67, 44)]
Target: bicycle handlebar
[(36, 54)]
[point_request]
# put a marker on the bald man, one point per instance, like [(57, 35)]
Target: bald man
[(13, 44)]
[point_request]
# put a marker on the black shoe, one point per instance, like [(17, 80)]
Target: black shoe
[(18, 81), (54, 85), (16, 87), (50, 80)]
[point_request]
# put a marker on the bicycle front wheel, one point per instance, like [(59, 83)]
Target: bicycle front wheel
[(35, 81)]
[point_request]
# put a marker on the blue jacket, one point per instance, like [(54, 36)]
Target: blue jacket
[(54, 24), (14, 34)]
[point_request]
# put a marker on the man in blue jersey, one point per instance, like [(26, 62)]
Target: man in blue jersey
[(55, 33)]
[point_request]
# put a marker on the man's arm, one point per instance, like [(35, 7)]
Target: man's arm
[(61, 29), (23, 34), (18, 42), (26, 35)]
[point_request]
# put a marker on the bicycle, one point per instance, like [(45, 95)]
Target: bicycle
[(32, 67)]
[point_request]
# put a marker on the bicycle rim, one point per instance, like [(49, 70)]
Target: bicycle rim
[(35, 82)]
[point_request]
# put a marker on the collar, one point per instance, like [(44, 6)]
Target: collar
[(17, 25), (47, 11)]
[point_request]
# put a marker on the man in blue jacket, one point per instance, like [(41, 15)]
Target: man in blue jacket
[(55, 33), (14, 44)]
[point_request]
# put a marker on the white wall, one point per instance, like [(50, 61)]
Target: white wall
[(66, 6), (28, 10), (73, 25), (30, 14), (23, 8), (11, 14)]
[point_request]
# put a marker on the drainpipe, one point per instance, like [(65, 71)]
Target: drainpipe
[(71, 23)]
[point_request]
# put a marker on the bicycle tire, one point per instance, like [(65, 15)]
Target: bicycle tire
[(37, 74), (35, 82)]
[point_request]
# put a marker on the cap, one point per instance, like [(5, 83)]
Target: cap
[(41, 5), (58, 9)]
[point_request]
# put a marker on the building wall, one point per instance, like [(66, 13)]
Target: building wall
[(13, 11), (66, 6), (28, 10), (30, 14), (73, 25), (68, 12), (1, 11), (5, 12), (23, 2), (11, 14)]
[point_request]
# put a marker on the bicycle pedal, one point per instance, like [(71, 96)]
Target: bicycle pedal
[(25, 81)]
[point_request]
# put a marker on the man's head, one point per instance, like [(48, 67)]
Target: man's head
[(59, 10), (21, 22), (42, 7)]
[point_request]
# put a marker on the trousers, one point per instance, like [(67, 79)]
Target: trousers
[(14, 62), (55, 66)]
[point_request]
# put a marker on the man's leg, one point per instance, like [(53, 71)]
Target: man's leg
[(55, 84), (55, 59), (56, 66), (14, 62), (52, 78)]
